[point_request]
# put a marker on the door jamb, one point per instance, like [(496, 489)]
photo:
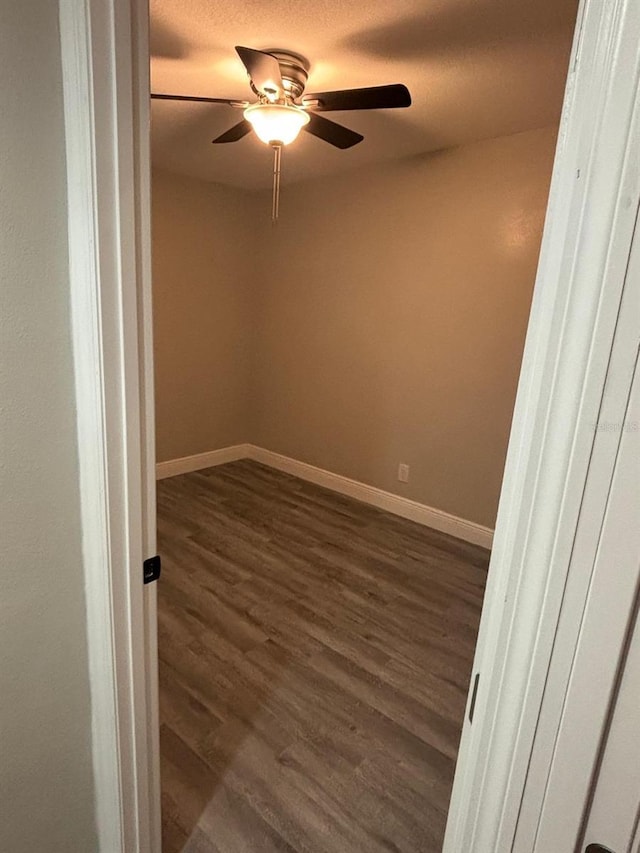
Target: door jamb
[(587, 238), (568, 340), (105, 84)]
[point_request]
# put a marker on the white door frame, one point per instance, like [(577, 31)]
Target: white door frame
[(595, 190), (105, 62), (602, 590)]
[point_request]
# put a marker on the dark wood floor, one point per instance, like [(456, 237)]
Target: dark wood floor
[(315, 655)]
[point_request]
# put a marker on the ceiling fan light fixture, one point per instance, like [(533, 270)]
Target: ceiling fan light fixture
[(276, 123)]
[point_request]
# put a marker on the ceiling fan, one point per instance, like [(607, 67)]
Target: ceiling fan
[(278, 79)]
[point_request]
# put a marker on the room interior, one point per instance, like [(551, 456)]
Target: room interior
[(317, 614)]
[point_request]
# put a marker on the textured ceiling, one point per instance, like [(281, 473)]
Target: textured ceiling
[(475, 68)]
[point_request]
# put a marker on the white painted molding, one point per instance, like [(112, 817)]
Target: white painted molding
[(140, 73), (86, 331), (187, 464), (98, 87), (436, 519), (469, 531)]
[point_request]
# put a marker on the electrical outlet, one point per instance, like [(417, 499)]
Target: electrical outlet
[(403, 473)]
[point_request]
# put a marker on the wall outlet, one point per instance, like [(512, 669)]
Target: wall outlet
[(403, 473)]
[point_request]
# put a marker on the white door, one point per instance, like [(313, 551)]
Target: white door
[(592, 794), (612, 820)]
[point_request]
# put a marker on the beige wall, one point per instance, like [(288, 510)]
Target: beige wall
[(202, 260), (393, 319), (385, 322), (46, 798)]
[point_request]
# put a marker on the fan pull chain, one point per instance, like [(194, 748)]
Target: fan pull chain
[(275, 206)]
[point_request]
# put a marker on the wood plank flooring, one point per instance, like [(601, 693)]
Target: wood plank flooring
[(315, 655)]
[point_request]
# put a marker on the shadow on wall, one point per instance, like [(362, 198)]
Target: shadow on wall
[(164, 43)]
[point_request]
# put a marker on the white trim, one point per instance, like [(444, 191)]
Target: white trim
[(600, 597), (436, 519), (96, 46), (142, 197), (586, 243), (187, 464), (85, 317)]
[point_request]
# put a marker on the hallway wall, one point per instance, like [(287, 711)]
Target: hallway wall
[(46, 780)]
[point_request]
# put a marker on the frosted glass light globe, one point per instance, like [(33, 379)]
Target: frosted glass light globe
[(276, 123)]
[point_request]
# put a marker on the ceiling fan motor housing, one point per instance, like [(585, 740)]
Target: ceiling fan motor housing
[(294, 69)]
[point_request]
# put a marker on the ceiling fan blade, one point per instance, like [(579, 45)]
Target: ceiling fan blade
[(331, 132), (230, 102), (371, 98), (234, 133), (264, 71)]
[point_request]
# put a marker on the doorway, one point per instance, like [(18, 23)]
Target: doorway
[(568, 153), (314, 649)]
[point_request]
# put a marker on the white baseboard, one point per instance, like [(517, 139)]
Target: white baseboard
[(187, 464), (468, 531)]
